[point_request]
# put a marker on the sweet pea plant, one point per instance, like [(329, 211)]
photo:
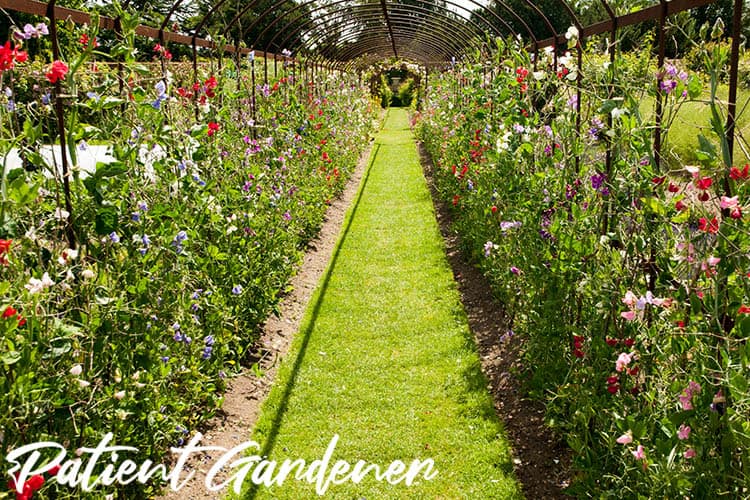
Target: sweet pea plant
[(181, 244), (627, 280)]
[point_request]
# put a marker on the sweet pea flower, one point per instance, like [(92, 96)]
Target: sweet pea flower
[(639, 453), (689, 453), (626, 438), (729, 203), (628, 315), (76, 370), (623, 360), (35, 285), (683, 432), (630, 299)]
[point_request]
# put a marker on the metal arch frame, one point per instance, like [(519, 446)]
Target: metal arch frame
[(300, 6), (403, 30), (368, 12), (336, 52), (368, 8)]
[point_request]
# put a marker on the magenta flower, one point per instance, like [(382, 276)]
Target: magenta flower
[(689, 453), (639, 453), (683, 432)]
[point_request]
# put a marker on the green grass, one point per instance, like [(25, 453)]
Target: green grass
[(384, 357), (694, 118)]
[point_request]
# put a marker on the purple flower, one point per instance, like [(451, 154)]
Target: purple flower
[(573, 102), (505, 225), (515, 270), (196, 294), (237, 289), (287, 215), (209, 340), (207, 352), (135, 217), (113, 237), (488, 248), (668, 85)]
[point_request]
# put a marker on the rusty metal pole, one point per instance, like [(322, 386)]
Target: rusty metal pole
[(733, 72), (660, 77), (252, 99), (60, 112)]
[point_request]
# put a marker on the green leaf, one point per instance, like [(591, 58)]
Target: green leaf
[(707, 151), (11, 357), (106, 220), (694, 87), (110, 169)]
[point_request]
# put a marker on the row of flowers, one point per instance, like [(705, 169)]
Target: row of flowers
[(627, 280), (126, 311)]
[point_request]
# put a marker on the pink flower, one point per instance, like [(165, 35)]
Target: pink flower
[(628, 315), (730, 203), (623, 360), (686, 402), (693, 387), (683, 432), (630, 299), (639, 453), (713, 261), (626, 438), (689, 453)]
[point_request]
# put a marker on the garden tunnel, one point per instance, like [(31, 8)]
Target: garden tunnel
[(298, 54)]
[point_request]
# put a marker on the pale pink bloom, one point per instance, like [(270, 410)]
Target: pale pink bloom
[(119, 395), (730, 203), (683, 432), (693, 387), (685, 401), (689, 453), (76, 370), (639, 453), (712, 261), (628, 315), (693, 170), (626, 438), (630, 299), (623, 360)]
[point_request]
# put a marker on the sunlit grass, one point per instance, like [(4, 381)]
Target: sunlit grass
[(384, 357)]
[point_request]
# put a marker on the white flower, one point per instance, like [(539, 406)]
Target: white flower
[(618, 112), (231, 229), (572, 33), (67, 255), (538, 75), (139, 385), (83, 383), (119, 395), (35, 285), (76, 370), (61, 214), (88, 274)]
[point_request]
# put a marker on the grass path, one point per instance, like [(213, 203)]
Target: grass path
[(384, 357)]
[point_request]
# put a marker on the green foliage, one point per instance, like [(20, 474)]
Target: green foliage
[(626, 281), (185, 237)]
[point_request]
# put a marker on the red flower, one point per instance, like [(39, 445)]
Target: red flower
[(213, 127), (680, 206), (703, 183), (633, 371), (613, 389), (629, 342), (494, 209), (707, 226), (57, 71), (703, 196), (455, 200), (743, 309), (680, 324), (8, 57), (4, 249), (211, 83), (737, 174), (673, 188), (611, 342), (86, 41), (612, 380), (578, 353), (659, 180), (35, 482), (9, 312)]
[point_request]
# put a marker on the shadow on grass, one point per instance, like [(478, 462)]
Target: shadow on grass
[(270, 441)]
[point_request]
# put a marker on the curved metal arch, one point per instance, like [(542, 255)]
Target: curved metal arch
[(407, 38), (372, 8), (348, 8), (370, 15), (403, 31), (336, 51), (302, 5), (375, 47)]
